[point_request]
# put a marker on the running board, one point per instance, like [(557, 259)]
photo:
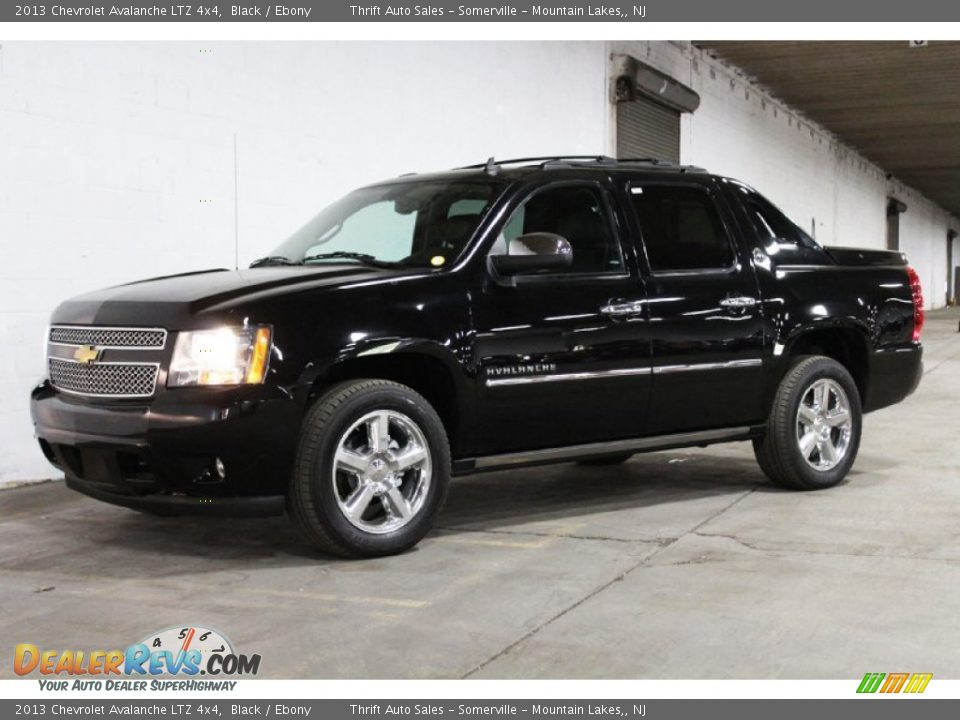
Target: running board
[(615, 447)]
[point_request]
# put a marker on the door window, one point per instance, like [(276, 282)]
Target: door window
[(575, 212), (681, 228)]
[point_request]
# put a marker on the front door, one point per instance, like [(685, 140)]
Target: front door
[(563, 356), (705, 322)]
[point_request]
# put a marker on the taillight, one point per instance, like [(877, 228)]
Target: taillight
[(917, 292)]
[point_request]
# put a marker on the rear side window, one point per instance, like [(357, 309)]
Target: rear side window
[(773, 225), (681, 228)]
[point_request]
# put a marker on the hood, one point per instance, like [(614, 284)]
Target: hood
[(171, 301)]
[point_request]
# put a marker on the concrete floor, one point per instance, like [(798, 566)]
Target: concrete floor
[(682, 564)]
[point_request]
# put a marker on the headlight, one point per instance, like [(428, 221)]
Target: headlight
[(225, 356)]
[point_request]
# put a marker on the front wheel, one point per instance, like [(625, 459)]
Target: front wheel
[(372, 469), (813, 430)]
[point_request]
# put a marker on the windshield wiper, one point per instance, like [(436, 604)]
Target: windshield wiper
[(365, 258), (273, 260)]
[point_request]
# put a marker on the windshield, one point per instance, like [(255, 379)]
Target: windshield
[(416, 223)]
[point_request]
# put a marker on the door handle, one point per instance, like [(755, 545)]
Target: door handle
[(738, 302), (619, 308)]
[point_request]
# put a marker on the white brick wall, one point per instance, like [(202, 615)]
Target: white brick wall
[(117, 159)]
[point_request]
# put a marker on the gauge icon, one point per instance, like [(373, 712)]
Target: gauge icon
[(181, 639)]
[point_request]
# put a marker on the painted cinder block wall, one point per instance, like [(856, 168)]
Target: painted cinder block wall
[(118, 159), (128, 160)]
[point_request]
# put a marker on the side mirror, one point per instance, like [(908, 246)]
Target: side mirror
[(533, 253)]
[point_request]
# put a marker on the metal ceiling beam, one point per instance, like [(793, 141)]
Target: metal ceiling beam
[(899, 105)]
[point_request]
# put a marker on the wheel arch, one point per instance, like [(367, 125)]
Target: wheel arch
[(424, 366), (847, 344)]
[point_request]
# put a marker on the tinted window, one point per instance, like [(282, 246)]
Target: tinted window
[(681, 228), (461, 208), (577, 213), (771, 224), (424, 223)]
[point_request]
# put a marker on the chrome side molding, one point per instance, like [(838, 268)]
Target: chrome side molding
[(623, 372), (562, 377), (699, 367)]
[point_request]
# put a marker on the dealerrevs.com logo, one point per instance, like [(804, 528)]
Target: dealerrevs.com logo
[(888, 683), (176, 651)]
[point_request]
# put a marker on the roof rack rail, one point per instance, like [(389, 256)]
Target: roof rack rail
[(647, 161), (491, 162), (661, 163), (492, 166)]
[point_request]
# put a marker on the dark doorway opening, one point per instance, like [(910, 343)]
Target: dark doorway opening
[(953, 272)]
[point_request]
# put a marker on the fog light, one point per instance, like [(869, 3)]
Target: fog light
[(221, 470)]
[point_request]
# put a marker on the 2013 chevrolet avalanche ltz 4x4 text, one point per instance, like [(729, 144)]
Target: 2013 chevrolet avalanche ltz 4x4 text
[(506, 314)]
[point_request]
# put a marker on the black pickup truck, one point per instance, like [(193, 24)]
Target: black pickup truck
[(501, 315)]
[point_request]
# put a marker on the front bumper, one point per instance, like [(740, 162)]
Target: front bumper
[(174, 504), (162, 456)]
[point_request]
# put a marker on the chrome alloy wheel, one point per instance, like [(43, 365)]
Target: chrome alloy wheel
[(824, 425), (381, 472)]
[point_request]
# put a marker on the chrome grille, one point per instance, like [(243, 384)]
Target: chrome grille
[(108, 337), (104, 379)]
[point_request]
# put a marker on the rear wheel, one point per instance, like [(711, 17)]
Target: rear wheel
[(813, 430), (372, 469)]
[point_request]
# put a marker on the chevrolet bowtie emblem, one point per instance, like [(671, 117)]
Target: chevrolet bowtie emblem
[(86, 354)]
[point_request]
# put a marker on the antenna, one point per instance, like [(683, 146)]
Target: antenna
[(491, 167)]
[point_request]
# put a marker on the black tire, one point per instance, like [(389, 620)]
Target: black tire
[(312, 499), (779, 453), (605, 460)]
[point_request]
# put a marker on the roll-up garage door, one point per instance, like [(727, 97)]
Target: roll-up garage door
[(646, 128), (649, 104)]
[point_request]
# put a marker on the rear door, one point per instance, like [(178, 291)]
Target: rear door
[(705, 324), (563, 357)]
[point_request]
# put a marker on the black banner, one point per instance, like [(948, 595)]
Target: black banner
[(546, 11), (853, 709)]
